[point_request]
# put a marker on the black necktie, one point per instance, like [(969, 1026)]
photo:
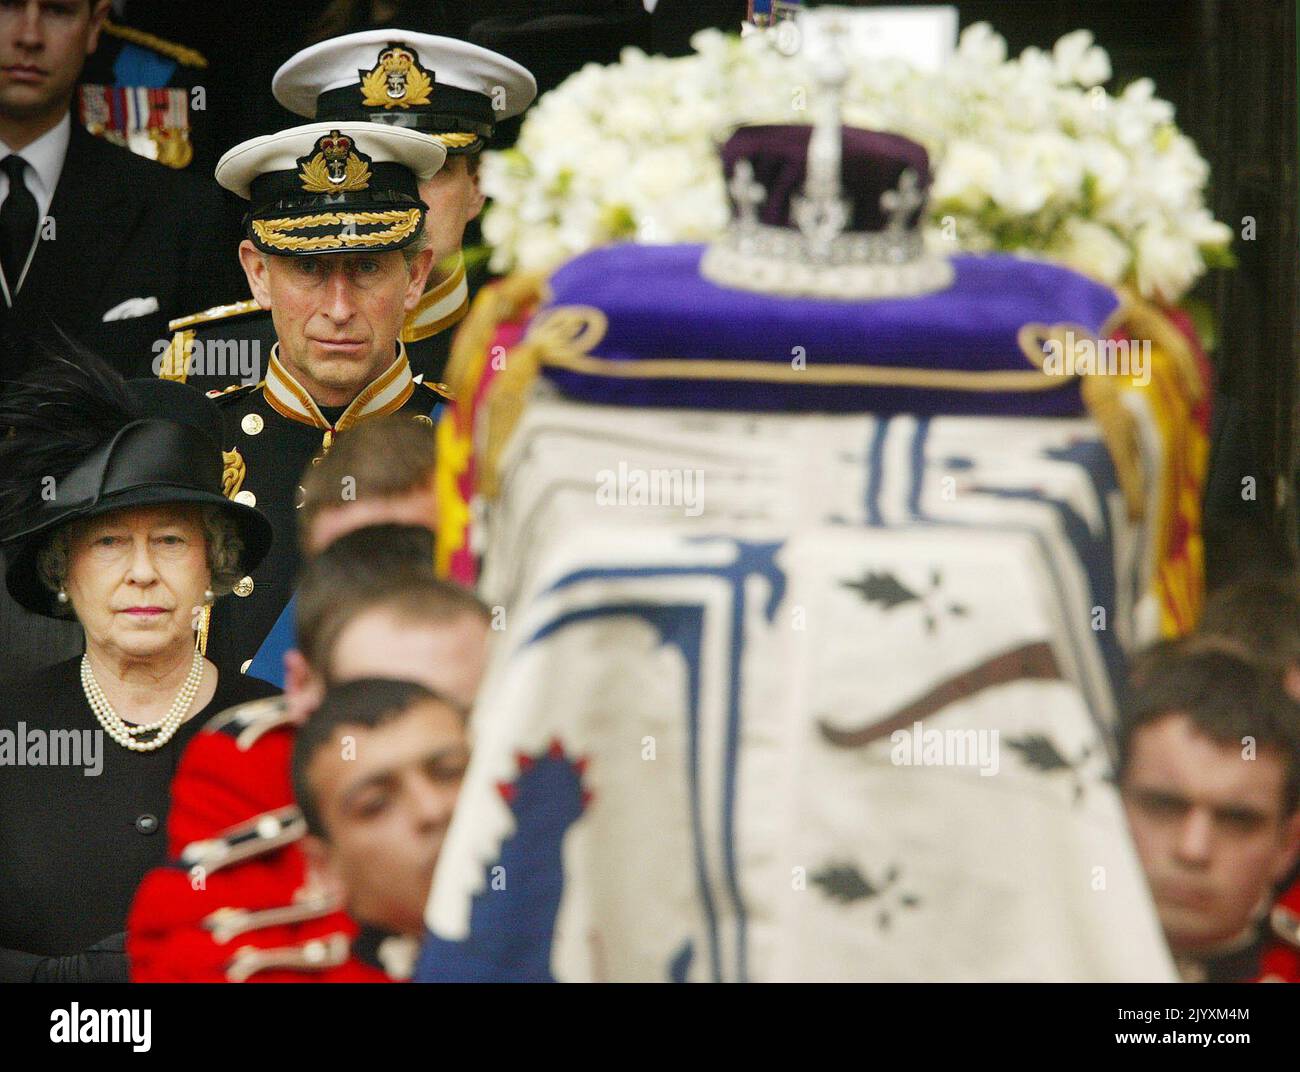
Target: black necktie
[(18, 219)]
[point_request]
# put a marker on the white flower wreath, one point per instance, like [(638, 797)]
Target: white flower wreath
[(1029, 154)]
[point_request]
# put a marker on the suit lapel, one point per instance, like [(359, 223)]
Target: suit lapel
[(93, 212)]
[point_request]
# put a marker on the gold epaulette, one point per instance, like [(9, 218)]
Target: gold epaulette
[(440, 389), (186, 57), (175, 359), (217, 312), (223, 392)]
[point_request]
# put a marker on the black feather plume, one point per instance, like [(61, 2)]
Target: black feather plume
[(50, 420)]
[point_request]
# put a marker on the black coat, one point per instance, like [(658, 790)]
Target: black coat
[(123, 227), (73, 848)]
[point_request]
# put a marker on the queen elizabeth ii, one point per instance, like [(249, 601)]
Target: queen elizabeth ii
[(112, 512)]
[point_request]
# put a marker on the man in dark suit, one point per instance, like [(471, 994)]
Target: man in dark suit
[(94, 240)]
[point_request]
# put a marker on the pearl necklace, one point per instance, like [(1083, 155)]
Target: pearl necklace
[(126, 735)]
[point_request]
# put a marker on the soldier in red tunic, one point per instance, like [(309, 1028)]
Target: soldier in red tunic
[(238, 900), (376, 773)]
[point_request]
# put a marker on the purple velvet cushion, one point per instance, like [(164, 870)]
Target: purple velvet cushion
[(658, 307)]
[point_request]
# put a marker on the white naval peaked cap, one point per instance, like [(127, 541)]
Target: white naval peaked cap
[(333, 187), (438, 85), (269, 154)]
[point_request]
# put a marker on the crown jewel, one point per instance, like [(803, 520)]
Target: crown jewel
[(830, 211)]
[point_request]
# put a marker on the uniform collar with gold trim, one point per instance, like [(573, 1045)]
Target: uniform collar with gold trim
[(387, 393), (439, 307)]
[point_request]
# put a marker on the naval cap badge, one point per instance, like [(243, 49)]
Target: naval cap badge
[(336, 165), (396, 81)]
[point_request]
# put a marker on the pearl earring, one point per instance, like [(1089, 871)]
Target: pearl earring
[(62, 597), (208, 595)]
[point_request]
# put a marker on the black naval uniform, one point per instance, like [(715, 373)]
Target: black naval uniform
[(273, 451)]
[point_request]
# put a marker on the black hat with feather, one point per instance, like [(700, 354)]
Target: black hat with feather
[(77, 441)]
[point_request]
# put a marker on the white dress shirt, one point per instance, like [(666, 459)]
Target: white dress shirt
[(44, 158)]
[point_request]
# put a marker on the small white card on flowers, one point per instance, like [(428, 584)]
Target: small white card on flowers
[(923, 36)]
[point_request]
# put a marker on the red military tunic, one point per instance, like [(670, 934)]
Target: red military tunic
[(1280, 959), (234, 904)]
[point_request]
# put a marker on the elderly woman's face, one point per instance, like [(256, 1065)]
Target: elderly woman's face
[(136, 578)]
